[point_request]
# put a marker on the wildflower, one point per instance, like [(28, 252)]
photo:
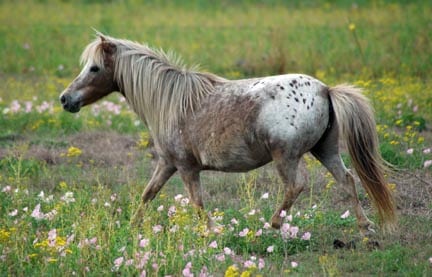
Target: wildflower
[(249, 264), (13, 213), (113, 197), (294, 230), (157, 229), (73, 152), (430, 260), (427, 163), (178, 197), (270, 249), (213, 244), (267, 225), (252, 212), (265, 196), (129, 262), (187, 270), (289, 218), (7, 189), (37, 214), (258, 233), (244, 232), (160, 208), (410, 151), (118, 262), (220, 257), (228, 251), (261, 263), (345, 214), (171, 211), (234, 221), (352, 27), (68, 197), (427, 151), (306, 236), (63, 185), (294, 264), (283, 214), (144, 243), (232, 271)]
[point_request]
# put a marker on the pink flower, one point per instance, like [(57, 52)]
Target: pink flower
[(13, 213), (244, 232), (118, 262), (7, 189), (294, 264), (249, 264), (213, 244), (294, 230), (283, 214), (228, 251), (427, 151), (289, 218), (37, 214), (410, 151), (144, 243), (187, 270), (345, 214), (306, 236), (430, 260), (270, 249), (267, 225), (143, 274), (129, 262), (258, 233), (261, 263), (234, 221), (220, 257), (157, 229), (427, 163)]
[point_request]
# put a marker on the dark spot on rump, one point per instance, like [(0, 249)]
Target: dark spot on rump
[(301, 94), (301, 77), (293, 116), (295, 110), (272, 97), (256, 83), (296, 99), (294, 81), (293, 91), (291, 85), (282, 88), (307, 107), (288, 106), (304, 100), (308, 83), (292, 124)]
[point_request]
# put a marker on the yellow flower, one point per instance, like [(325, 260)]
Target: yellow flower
[(352, 27), (63, 185), (232, 271), (392, 186), (73, 152)]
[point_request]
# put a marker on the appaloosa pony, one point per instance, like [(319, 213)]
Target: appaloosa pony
[(200, 121)]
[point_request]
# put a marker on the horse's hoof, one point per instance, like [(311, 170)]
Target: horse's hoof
[(276, 222)]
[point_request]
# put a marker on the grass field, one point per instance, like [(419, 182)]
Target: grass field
[(69, 183)]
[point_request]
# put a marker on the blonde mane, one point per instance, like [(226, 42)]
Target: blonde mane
[(156, 84)]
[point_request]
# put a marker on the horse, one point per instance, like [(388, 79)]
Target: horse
[(201, 121)]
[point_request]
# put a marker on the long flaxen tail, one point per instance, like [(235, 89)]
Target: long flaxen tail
[(356, 122)]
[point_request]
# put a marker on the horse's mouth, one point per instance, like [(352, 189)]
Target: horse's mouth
[(71, 108)]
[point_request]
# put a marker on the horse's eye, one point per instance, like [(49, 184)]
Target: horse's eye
[(94, 69)]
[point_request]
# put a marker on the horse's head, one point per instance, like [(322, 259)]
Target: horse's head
[(96, 79)]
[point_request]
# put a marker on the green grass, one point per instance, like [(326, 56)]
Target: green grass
[(98, 157)]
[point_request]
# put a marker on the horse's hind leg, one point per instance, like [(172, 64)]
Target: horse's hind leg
[(327, 152), (161, 174), (287, 169)]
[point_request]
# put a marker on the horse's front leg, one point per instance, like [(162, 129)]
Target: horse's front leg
[(161, 174)]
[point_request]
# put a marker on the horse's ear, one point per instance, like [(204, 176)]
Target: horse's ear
[(108, 47)]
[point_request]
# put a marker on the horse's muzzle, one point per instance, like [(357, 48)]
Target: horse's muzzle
[(69, 104)]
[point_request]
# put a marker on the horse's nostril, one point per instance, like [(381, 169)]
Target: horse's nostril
[(63, 99)]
